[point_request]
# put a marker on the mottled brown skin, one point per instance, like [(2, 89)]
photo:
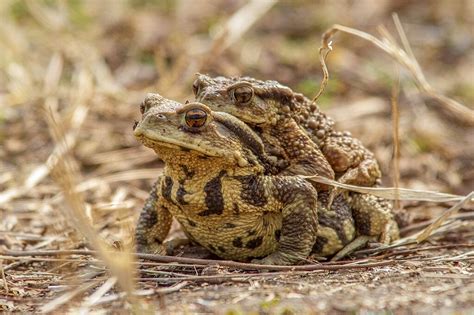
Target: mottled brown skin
[(297, 132), (214, 184), (269, 108)]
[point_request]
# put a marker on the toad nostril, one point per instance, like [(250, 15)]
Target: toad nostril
[(135, 124)]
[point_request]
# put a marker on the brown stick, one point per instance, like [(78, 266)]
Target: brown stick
[(197, 261)]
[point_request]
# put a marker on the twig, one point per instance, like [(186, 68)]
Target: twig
[(197, 261), (242, 277)]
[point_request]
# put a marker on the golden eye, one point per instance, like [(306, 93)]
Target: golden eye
[(196, 86), (195, 118), (242, 94)]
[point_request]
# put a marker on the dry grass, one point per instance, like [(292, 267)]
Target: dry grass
[(406, 58), (72, 178)]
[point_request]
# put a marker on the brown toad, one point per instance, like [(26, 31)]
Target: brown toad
[(295, 130), (214, 184)]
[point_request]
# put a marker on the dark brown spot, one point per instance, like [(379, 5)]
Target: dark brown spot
[(148, 216), (253, 191), (237, 242), (236, 209), (180, 195), (214, 199), (192, 223), (229, 225), (319, 244), (211, 247), (251, 232), (188, 173), (277, 234), (221, 249), (340, 211), (151, 220), (256, 242), (166, 188)]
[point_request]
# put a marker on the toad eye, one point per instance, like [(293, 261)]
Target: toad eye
[(195, 118), (196, 87), (242, 94)]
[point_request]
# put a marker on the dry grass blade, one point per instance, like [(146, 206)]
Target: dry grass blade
[(243, 19), (396, 139), (66, 297), (174, 288), (97, 295), (406, 58), (323, 53), (392, 193), (239, 23), (448, 213), (63, 171), (78, 117)]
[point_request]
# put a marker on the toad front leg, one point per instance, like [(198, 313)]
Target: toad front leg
[(299, 221), (154, 223), (305, 157)]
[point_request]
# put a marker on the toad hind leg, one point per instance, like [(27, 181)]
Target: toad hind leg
[(306, 158), (373, 216), (153, 224), (299, 223)]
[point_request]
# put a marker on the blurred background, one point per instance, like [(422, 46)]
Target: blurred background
[(90, 63)]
